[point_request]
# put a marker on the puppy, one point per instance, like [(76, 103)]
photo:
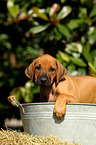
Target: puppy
[(56, 86)]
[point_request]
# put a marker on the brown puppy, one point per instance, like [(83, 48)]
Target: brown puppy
[(56, 86)]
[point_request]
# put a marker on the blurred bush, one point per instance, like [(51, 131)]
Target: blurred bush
[(64, 29), (25, 93)]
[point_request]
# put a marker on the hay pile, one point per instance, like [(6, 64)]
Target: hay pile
[(17, 138)]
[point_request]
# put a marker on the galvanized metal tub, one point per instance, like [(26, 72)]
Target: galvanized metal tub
[(78, 125)]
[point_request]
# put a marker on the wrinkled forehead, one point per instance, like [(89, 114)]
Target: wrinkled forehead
[(46, 62)]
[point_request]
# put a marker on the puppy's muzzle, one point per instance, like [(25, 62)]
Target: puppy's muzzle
[(43, 80)]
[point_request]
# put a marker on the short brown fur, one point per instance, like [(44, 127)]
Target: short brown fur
[(62, 89)]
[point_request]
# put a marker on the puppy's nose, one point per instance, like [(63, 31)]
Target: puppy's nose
[(43, 79)]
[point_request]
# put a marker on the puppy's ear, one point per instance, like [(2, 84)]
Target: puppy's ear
[(30, 71), (61, 72)]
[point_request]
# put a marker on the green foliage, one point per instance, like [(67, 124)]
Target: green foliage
[(66, 30), (26, 93), (77, 58), (13, 9), (38, 29)]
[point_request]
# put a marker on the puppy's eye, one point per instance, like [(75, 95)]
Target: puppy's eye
[(51, 69), (38, 67)]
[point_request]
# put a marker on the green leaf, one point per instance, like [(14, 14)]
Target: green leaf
[(78, 61), (72, 71), (95, 61), (93, 12), (57, 35), (38, 29), (64, 56), (92, 67), (65, 11), (63, 1), (29, 84), (75, 47), (3, 37), (92, 35), (13, 9), (93, 53), (22, 91), (82, 12), (74, 23), (81, 71), (29, 96), (64, 30), (87, 55), (31, 51), (39, 13)]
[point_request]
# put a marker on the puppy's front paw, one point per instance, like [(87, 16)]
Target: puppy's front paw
[(59, 111)]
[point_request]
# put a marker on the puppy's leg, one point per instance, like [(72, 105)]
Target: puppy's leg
[(60, 105)]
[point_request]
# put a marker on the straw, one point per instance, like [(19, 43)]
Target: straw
[(9, 137)]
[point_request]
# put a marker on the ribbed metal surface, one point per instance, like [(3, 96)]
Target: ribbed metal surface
[(79, 123)]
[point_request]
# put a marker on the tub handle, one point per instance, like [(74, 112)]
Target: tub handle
[(12, 99)]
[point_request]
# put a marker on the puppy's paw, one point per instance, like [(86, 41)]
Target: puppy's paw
[(60, 111)]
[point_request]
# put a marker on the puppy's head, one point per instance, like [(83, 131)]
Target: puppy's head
[(45, 70)]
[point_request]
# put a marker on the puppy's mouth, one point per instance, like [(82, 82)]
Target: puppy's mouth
[(43, 81)]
